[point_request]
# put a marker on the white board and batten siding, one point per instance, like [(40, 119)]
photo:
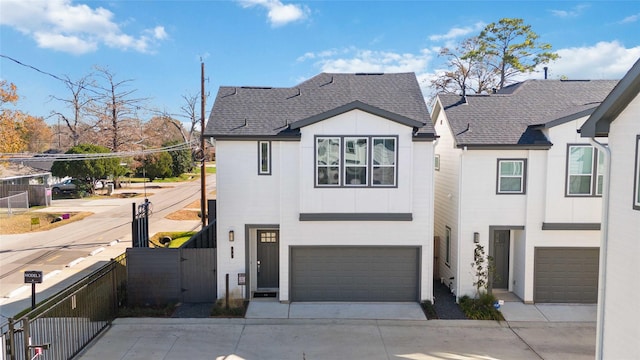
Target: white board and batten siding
[(278, 199), (621, 326)]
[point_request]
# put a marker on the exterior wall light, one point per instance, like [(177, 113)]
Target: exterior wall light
[(476, 237), (231, 235)]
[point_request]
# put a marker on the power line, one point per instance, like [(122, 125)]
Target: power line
[(69, 81), (96, 156)]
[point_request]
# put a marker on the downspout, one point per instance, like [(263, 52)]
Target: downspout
[(459, 221), (604, 237)]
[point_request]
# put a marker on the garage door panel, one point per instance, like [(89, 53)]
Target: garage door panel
[(566, 275), (354, 273)]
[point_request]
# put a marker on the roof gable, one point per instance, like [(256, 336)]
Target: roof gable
[(281, 112), (356, 105), (599, 122), (516, 114)]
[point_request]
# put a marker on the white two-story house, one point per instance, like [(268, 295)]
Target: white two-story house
[(514, 176), (325, 189), (617, 123)]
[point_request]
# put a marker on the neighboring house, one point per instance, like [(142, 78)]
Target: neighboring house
[(325, 189), (515, 177), (618, 118), (16, 178)]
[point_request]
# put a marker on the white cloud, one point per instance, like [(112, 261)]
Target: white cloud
[(352, 60), (630, 19), (278, 13), (573, 12), (458, 32), (604, 60), (74, 28)]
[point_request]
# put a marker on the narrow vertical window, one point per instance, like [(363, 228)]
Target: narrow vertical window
[(327, 161), (447, 257), (384, 154), (600, 169), (636, 191), (264, 158), (356, 161), (436, 162), (511, 176)]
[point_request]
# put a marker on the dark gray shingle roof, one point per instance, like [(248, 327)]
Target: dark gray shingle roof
[(514, 114), (256, 112)]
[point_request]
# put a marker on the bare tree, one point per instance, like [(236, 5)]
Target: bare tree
[(189, 109), (77, 124), (116, 110), (465, 73)]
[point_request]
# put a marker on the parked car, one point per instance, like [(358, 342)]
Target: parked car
[(66, 186)]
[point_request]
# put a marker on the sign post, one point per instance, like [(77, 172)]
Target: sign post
[(33, 277)]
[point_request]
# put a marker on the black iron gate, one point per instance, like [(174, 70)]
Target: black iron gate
[(140, 224)]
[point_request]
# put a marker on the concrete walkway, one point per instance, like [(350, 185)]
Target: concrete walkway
[(152, 338), (259, 309), (518, 311)]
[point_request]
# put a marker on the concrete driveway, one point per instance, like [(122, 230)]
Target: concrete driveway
[(152, 338)]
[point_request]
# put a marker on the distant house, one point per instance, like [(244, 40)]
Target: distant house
[(325, 189), (515, 177), (618, 119), (17, 178)]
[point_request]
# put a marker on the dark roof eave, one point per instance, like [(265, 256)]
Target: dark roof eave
[(568, 118), (598, 124), (425, 137), (505, 146), (287, 137)]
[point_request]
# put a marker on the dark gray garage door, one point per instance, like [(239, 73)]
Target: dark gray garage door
[(566, 275), (354, 273)]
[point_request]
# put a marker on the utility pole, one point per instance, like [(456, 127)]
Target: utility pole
[(203, 170)]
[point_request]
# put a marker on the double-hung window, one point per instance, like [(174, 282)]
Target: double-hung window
[(264, 158), (356, 161), (585, 171), (636, 183), (384, 161), (511, 176)]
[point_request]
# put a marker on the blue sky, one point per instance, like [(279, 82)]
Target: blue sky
[(160, 44)]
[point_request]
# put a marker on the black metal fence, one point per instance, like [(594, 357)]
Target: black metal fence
[(64, 324)]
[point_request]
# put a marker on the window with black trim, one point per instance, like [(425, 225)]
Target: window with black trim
[(636, 187), (511, 177), (356, 161), (264, 158), (447, 244), (585, 171)]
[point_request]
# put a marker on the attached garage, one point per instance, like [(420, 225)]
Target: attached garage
[(566, 275), (346, 273)]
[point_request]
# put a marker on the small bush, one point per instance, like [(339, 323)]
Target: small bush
[(481, 308), (429, 310), (237, 308)]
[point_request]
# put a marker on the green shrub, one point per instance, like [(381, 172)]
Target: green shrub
[(429, 310), (480, 308)]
